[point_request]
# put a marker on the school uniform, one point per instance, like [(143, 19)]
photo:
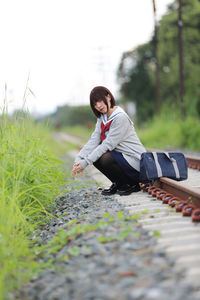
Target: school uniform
[(116, 135)]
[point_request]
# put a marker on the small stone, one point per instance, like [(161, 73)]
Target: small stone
[(137, 293), (127, 273), (154, 293)]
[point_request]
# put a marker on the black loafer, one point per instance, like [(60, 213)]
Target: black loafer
[(128, 189), (111, 191)]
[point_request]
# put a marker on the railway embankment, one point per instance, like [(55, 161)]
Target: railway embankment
[(130, 247)]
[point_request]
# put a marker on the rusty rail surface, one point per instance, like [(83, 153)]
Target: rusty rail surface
[(184, 198), (193, 162), (171, 192), (178, 190)]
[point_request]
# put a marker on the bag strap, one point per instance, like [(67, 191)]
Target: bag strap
[(159, 170), (174, 163)]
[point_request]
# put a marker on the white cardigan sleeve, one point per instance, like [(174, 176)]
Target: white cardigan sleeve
[(118, 132)]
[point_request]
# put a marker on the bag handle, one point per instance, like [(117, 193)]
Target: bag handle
[(159, 170), (174, 163)]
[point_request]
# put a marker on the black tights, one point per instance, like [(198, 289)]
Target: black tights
[(107, 165)]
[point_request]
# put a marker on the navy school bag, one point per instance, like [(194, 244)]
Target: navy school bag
[(154, 165)]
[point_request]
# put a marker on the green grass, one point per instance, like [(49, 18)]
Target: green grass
[(161, 133), (73, 229), (190, 133), (30, 176), (170, 132)]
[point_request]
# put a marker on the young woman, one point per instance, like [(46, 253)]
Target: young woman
[(114, 147)]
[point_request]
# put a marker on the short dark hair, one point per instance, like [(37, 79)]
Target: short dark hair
[(99, 93)]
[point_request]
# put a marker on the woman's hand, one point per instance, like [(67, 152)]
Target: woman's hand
[(77, 169)]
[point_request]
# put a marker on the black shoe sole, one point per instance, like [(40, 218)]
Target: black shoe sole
[(128, 192), (108, 193)]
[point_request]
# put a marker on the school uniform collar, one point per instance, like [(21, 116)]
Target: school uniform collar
[(105, 119)]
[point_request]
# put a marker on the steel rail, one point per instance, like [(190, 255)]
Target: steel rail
[(177, 189), (193, 162), (171, 191)]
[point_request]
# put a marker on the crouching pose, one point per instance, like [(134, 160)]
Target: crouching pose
[(114, 147)]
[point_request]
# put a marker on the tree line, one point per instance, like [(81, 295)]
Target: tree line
[(136, 71)]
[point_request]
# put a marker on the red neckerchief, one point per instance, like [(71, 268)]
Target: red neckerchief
[(104, 128)]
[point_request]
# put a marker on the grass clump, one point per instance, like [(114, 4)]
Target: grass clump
[(171, 132), (30, 177), (190, 132), (161, 133)]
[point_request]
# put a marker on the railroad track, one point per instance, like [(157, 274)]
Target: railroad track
[(193, 162), (185, 195), (177, 233)]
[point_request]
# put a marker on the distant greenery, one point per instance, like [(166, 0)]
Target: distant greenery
[(135, 76), (70, 116), (169, 132), (136, 70), (190, 133)]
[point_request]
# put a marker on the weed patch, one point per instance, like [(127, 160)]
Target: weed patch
[(121, 224), (30, 176)]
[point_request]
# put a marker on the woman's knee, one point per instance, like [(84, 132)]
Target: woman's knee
[(105, 159)]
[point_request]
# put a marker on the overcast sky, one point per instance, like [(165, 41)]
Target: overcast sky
[(66, 47)]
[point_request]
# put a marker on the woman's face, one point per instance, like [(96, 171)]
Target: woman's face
[(101, 106)]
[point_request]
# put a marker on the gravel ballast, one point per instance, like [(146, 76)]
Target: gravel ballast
[(115, 259)]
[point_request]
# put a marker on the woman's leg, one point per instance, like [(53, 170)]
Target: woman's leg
[(107, 165)]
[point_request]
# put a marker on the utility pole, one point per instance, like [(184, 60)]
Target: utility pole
[(180, 50), (157, 73)]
